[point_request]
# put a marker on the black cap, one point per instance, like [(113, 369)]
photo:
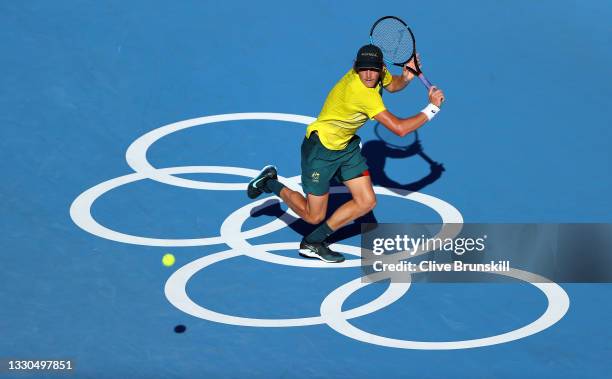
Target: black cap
[(369, 56)]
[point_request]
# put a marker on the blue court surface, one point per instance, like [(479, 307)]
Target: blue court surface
[(130, 130)]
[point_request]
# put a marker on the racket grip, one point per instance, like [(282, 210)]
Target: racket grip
[(426, 158), (425, 81)]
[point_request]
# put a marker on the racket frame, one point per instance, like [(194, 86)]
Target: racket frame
[(416, 72)]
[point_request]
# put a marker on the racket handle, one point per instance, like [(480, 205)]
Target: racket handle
[(425, 81), (426, 158)]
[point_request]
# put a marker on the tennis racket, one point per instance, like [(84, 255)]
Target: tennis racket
[(396, 40)]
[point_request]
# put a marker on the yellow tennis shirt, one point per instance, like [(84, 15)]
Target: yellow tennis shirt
[(347, 107)]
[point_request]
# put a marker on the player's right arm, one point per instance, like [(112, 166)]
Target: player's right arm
[(404, 126)]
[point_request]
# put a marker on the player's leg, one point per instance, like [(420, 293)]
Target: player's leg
[(310, 209), (314, 245), (353, 172), (363, 201), (355, 175), (319, 165)]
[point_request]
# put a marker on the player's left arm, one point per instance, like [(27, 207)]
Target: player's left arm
[(404, 126), (400, 82)]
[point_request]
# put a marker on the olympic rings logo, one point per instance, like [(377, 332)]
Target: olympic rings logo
[(232, 235)]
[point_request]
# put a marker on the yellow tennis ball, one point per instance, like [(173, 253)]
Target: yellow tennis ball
[(168, 260)]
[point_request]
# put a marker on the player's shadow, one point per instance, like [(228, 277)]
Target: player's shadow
[(376, 153)]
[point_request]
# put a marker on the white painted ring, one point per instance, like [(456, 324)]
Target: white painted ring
[(558, 304), (80, 210), (136, 154), (176, 293)]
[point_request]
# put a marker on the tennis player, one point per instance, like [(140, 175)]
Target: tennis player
[(331, 149)]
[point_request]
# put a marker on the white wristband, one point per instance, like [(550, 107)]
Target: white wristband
[(430, 111)]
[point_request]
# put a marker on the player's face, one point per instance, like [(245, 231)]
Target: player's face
[(369, 76)]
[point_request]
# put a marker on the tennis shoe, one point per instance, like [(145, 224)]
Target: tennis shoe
[(258, 185), (320, 251)]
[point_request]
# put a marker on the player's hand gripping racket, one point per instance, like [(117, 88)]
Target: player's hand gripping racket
[(395, 39)]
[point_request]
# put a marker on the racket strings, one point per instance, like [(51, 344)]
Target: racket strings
[(394, 39)]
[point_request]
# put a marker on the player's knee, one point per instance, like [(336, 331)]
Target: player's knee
[(371, 204), (319, 218), (367, 203), (314, 218)]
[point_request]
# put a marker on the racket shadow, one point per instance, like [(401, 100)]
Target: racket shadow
[(378, 151)]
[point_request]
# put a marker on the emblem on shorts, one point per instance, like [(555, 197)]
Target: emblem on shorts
[(315, 177)]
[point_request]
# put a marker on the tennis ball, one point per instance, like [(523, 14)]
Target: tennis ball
[(168, 260)]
